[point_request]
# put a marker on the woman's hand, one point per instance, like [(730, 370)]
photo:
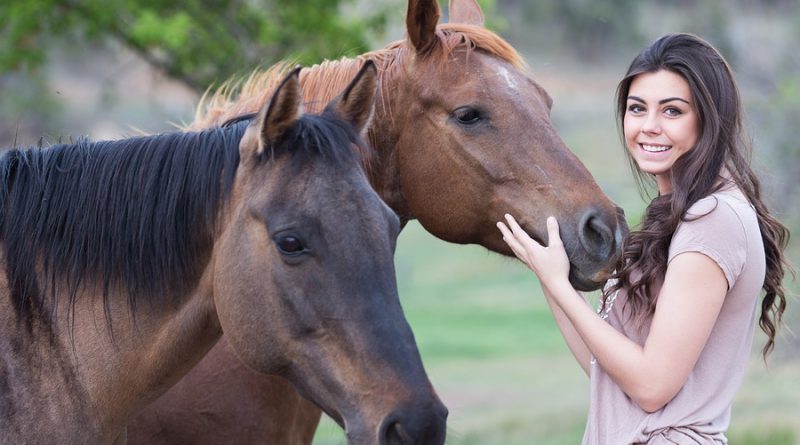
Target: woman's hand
[(550, 263)]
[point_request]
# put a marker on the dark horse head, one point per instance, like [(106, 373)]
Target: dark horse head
[(318, 244), (124, 261)]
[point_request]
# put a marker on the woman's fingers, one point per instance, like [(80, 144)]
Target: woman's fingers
[(521, 235), (547, 261), (553, 231), (512, 242), (508, 237), (514, 226)]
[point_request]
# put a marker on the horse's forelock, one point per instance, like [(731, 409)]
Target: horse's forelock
[(453, 36)]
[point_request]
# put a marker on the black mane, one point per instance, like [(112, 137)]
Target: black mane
[(135, 215)]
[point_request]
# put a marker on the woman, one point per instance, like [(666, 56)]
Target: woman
[(668, 348)]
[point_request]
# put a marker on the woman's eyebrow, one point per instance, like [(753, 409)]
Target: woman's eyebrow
[(661, 102)]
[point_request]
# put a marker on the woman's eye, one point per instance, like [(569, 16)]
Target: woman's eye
[(635, 108), (467, 116), (672, 112), (290, 245)]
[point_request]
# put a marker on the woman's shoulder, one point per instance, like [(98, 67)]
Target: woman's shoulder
[(723, 204), (725, 216), (720, 226)]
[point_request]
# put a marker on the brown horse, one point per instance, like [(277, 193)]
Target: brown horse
[(462, 134), (124, 261)]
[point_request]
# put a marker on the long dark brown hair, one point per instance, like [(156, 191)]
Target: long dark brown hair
[(695, 175)]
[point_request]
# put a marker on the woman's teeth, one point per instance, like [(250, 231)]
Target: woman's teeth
[(655, 148)]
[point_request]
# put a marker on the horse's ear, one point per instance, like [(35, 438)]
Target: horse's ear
[(421, 21), (354, 105), (467, 12), (283, 109)]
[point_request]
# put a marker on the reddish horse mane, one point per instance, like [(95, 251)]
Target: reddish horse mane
[(323, 80)]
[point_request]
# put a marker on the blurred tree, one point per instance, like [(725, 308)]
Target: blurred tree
[(591, 27), (197, 42)]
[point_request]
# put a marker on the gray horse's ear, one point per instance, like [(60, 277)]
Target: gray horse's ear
[(283, 109), (467, 12), (421, 21), (354, 104)]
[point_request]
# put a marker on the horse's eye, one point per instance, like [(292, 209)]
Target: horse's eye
[(467, 116), (290, 245)]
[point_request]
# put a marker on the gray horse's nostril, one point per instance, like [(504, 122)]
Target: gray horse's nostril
[(396, 435), (596, 237), (420, 424)]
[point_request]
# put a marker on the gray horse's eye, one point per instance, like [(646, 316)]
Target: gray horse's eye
[(290, 245)]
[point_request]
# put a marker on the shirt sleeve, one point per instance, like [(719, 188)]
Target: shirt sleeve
[(714, 229)]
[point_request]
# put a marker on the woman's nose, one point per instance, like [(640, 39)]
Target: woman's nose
[(651, 124)]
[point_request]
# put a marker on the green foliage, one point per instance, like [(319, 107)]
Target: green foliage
[(197, 41), (26, 110)]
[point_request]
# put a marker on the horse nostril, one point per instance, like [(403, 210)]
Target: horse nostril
[(396, 435), (595, 236), (424, 424), (419, 422)]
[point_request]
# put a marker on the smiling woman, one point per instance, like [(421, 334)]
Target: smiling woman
[(668, 350), (660, 123)]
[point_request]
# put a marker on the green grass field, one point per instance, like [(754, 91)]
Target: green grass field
[(498, 362)]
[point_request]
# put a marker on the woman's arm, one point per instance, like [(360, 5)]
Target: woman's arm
[(571, 337), (688, 305)]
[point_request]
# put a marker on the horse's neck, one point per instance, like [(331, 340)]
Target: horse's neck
[(320, 84), (384, 174), (39, 389), (71, 383)]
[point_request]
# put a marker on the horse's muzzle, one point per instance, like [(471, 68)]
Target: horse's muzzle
[(600, 239), (417, 425)]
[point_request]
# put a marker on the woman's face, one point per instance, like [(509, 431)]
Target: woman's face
[(660, 123)]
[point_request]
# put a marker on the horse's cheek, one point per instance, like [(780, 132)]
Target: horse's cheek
[(243, 306)]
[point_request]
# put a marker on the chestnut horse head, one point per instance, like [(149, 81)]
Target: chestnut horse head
[(463, 135), (124, 261)]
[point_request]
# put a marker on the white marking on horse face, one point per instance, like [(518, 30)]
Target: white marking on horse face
[(544, 173), (503, 72)]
